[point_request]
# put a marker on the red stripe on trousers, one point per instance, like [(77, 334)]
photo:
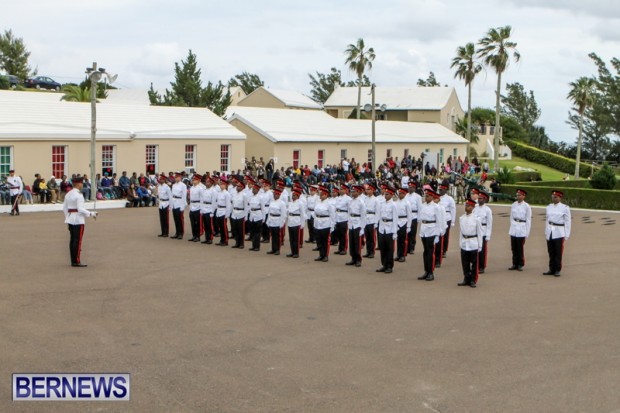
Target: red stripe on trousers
[(80, 243)]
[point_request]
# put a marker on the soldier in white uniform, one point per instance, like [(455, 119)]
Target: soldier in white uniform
[(372, 218), (267, 196), (324, 223), (447, 202), (16, 188), (207, 207), (341, 203), (387, 231), (520, 225), (179, 202), (403, 211), (257, 208), (471, 243), (357, 225), (430, 216), (415, 201), (296, 219), (485, 215), (240, 210), (223, 208), (164, 194), (195, 193), (73, 208), (311, 201), (277, 219), (557, 230)]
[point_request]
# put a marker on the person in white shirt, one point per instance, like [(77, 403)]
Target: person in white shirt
[(223, 208), (276, 221), (324, 223), (447, 202), (557, 230), (311, 200), (164, 194), (296, 219), (357, 225), (415, 202), (195, 193), (179, 202), (257, 208), (430, 216), (485, 215), (387, 231), (403, 211), (520, 225), (267, 196), (372, 218), (16, 188), (74, 210), (238, 214), (207, 207), (341, 203), (471, 243)]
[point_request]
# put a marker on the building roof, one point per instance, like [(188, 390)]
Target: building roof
[(394, 98), (127, 96), (290, 98), (283, 125), (36, 116)]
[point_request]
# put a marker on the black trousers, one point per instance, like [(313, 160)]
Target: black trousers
[(311, 231), (295, 239), (323, 242), (355, 245), (75, 242), (14, 204), (446, 238), (207, 224), (428, 243), (370, 234), (275, 233), (164, 220), (439, 250), (469, 260), (255, 230), (265, 229), (386, 247), (341, 230), (411, 238), (222, 228), (179, 221), (401, 242), (518, 254), (482, 255), (555, 248), (237, 227), (194, 219)]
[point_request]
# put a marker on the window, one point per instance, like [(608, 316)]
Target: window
[(370, 155), (151, 159), (483, 129), (492, 130), (388, 153), (296, 157), (343, 154), (108, 159), (190, 158), (406, 154), (454, 152), (224, 158), (59, 161), (6, 160), (320, 158), (441, 155)]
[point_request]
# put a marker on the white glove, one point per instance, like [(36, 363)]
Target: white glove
[(394, 237), (565, 238), (436, 240), (452, 225), (361, 232), (93, 214)]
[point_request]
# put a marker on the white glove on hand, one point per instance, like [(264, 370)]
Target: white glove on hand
[(93, 214), (436, 240), (361, 232), (394, 237)]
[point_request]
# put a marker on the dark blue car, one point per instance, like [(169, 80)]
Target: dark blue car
[(42, 82)]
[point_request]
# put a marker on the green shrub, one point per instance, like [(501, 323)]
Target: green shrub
[(605, 178), (4, 82), (505, 176), (549, 159), (520, 176), (582, 183), (573, 197)]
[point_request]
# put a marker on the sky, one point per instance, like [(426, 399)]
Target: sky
[(284, 40)]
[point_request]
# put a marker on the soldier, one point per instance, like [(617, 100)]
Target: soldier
[(520, 225), (485, 215), (276, 221), (267, 196), (179, 202), (73, 208), (296, 219), (223, 208), (387, 231), (257, 208), (16, 188), (403, 211), (324, 223), (357, 225), (443, 225), (207, 206), (195, 193), (557, 230), (311, 201), (240, 210), (164, 194), (430, 216), (471, 244), (415, 201), (372, 218), (341, 203), (447, 202)]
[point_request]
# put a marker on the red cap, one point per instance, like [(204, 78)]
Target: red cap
[(389, 190), (197, 177), (297, 191), (442, 186), (470, 202), (521, 192), (162, 176), (483, 195), (277, 191), (403, 190), (178, 174), (210, 179), (474, 191), (256, 186), (372, 186), (432, 193), (558, 193), (358, 188), (412, 183), (324, 190)]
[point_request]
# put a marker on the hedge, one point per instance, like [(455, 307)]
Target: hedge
[(549, 159), (569, 184), (521, 176), (573, 197)]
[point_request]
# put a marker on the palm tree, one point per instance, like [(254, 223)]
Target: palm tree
[(466, 69), (495, 49), (76, 94), (359, 58), (582, 95)]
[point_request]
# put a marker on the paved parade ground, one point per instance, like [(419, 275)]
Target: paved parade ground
[(203, 328)]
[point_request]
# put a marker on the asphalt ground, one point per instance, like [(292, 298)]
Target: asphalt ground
[(203, 328)]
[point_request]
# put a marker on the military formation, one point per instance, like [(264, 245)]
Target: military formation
[(358, 220)]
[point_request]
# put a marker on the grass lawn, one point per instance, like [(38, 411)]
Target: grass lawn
[(548, 174)]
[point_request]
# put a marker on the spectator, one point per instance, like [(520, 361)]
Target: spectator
[(124, 183), (5, 193), (35, 186), (54, 189), (65, 186), (133, 200), (495, 187), (106, 187), (44, 193), (145, 198), (86, 188)]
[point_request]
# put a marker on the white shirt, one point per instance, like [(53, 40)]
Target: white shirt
[(558, 214), (447, 202), (415, 201), (223, 206), (403, 211), (257, 208), (179, 196), (207, 200), (296, 213), (485, 215), (16, 185), (74, 209), (372, 210), (357, 214), (341, 203), (165, 195), (195, 193), (324, 215), (430, 217), (240, 206), (471, 233), (388, 218), (520, 220), (277, 213)]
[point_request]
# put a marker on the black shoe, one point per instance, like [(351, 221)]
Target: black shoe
[(519, 268), (265, 241), (437, 265), (473, 284), (548, 273), (319, 259), (270, 252), (350, 263), (342, 253), (556, 274), (514, 267), (463, 284), (358, 264), (423, 277), (175, 236), (371, 256), (388, 270), (401, 259), (222, 244), (382, 269), (162, 235), (252, 249), (79, 265), (481, 271), (295, 255), (315, 249), (365, 255), (194, 239), (235, 246), (276, 253), (180, 237), (324, 259), (430, 277), (289, 255)]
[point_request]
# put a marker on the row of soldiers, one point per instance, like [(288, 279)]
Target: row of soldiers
[(346, 217)]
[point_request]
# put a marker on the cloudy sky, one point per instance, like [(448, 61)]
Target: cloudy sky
[(284, 40)]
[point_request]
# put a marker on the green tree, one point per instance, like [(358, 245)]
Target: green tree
[(604, 178), (74, 93), (608, 86), (466, 69), (248, 82), (581, 95), (324, 84), (521, 105), (496, 50), (359, 59), (430, 81), (596, 128), (354, 83), (14, 56)]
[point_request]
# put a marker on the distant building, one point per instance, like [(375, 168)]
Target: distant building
[(278, 99)]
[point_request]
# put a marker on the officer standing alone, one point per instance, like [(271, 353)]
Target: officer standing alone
[(75, 212), (557, 230)]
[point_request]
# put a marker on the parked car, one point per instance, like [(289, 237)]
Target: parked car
[(42, 82), (13, 80)]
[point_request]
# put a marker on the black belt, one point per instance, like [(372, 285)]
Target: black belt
[(355, 215), (207, 203), (370, 212), (274, 215), (484, 225), (386, 220), (221, 206), (557, 225), (428, 222), (239, 209), (470, 236), (519, 220), (177, 197), (322, 216), (414, 211), (294, 215), (194, 202), (342, 210), (255, 209), (163, 199), (402, 216), (311, 209), (266, 205)]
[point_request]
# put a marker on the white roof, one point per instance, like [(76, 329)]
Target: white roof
[(291, 98), (394, 98), (35, 116), (284, 125), (127, 96)]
